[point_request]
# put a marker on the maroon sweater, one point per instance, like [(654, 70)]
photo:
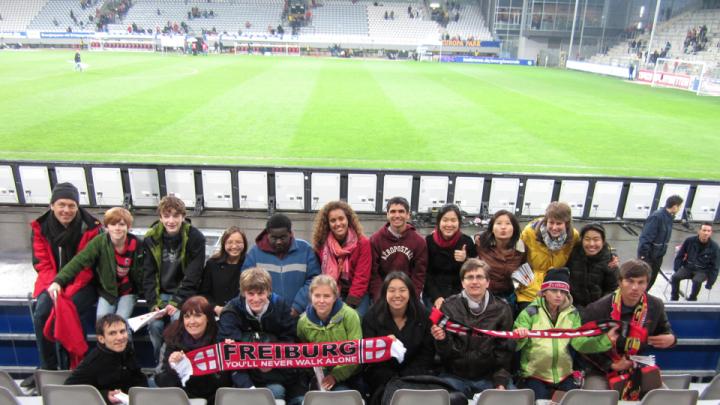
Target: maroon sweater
[(408, 254)]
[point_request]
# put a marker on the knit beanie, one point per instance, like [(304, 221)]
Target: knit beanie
[(557, 279), (66, 191), (279, 221), (593, 226)]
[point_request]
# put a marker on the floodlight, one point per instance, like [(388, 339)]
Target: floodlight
[(362, 189), (290, 191), (217, 188), (76, 176), (253, 188), (503, 194), (433, 192), (468, 194), (144, 187), (705, 203), (605, 199), (538, 194), (325, 188), (674, 189), (107, 182), (8, 192), (639, 200), (36, 184), (397, 185), (181, 184), (574, 193)]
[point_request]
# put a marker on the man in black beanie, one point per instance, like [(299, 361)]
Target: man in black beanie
[(57, 236), (291, 262)]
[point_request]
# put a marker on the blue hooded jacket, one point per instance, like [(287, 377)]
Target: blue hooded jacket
[(291, 273)]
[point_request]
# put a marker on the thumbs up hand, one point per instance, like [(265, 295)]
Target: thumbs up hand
[(461, 255)]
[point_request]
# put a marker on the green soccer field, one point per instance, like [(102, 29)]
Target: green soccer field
[(291, 111)]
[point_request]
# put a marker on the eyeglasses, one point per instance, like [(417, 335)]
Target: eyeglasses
[(474, 278)]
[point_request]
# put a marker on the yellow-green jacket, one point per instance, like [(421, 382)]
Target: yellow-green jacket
[(548, 359), (344, 324)]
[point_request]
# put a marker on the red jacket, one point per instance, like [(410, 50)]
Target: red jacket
[(408, 254), (360, 268), (44, 261)]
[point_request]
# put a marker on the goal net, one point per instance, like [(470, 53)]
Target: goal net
[(688, 75)]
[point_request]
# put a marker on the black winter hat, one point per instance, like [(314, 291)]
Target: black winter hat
[(557, 279), (65, 190)]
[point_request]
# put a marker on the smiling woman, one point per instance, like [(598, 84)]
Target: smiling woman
[(196, 328), (344, 252), (328, 319)]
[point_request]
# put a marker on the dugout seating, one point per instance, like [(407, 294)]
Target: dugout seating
[(17, 14)]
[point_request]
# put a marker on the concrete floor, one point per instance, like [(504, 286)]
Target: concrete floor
[(18, 276)]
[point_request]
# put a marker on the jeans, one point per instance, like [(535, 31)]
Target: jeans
[(157, 326), (467, 387), (364, 305), (544, 390), (48, 351), (123, 306)]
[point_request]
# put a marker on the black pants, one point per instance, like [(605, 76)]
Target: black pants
[(655, 264), (683, 274)]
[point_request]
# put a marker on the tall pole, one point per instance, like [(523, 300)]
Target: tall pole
[(572, 33), (582, 27), (521, 36), (652, 32)]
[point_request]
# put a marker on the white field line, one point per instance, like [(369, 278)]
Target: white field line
[(121, 156)]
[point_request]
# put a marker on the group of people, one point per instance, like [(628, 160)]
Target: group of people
[(343, 285), (696, 39)]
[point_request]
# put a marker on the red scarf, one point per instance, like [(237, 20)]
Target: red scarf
[(442, 242), (243, 355), (336, 258), (586, 330)]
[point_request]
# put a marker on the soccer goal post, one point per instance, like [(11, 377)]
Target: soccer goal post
[(680, 74)]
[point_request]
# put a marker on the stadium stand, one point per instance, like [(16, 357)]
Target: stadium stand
[(17, 14), (470, 24), (673, 31), (227, 16), (337, 17), (401, 29), (59, 11)]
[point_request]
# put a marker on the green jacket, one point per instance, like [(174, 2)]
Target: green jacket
[(343, 325), (549, 359), (100, 255), (185, 282)]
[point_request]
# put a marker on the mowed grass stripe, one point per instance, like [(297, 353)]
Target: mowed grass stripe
[(349, 116), (596, 139), (349, 113)]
